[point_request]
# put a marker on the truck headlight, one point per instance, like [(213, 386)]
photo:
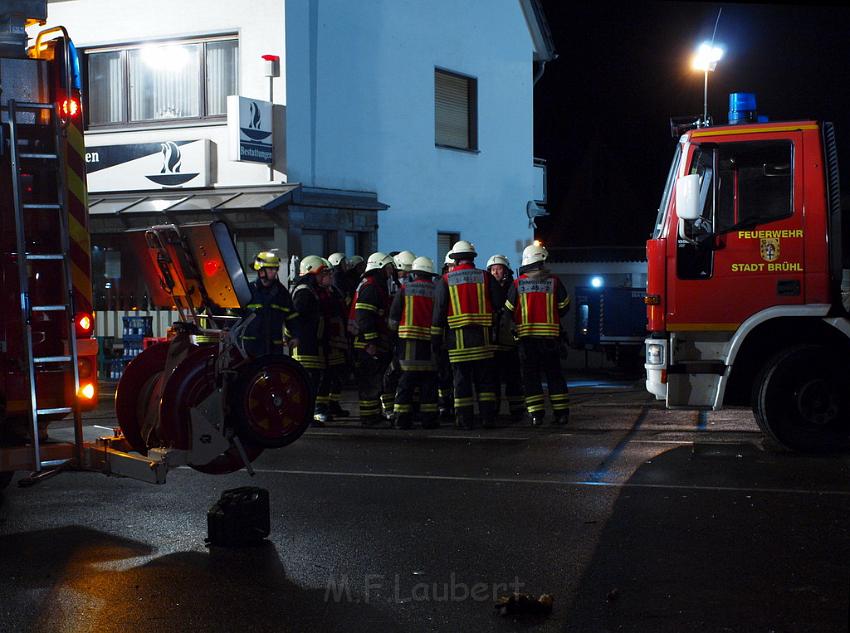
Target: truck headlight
[(654, 354)]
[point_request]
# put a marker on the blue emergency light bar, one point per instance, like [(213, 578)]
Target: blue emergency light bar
[(742, 109)]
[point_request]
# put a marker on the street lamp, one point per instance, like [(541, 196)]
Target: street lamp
[(706, 59)]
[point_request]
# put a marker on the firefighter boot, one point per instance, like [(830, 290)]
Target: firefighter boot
[(464, 420), (561, 418), (537, 418), (403, 420)]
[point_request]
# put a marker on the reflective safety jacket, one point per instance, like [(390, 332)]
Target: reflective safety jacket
[(370, 306), (412, 309), (464, 303), (274, 310), (537, 301), (309, 351)]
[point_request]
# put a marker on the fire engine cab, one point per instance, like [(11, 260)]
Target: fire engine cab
[(745, 270)]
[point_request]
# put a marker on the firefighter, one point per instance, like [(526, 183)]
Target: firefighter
[(537, 301), (340, 275), (410, 316), (402, 264), (315, 272), (464, 304), (272, 306), (335, 342), (445, 393), (372, 342), (506, 359)]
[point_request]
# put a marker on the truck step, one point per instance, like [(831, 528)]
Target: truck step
[(58, 308), (47, 256), (43, 205), (35, 156)]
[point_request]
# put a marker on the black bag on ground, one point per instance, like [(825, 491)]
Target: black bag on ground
[(239, 517)]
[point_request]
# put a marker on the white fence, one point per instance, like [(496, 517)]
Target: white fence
[(111, 322)]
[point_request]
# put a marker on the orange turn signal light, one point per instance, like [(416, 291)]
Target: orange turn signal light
[(652, 300), (87, 391)]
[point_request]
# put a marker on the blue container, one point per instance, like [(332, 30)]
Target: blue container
[(742, 108)]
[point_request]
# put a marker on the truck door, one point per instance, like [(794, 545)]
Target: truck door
[(745, 253)]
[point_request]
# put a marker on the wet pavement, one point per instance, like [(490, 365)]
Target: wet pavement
[(633, 517)]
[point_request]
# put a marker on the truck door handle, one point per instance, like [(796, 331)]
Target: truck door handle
[(788, 287)]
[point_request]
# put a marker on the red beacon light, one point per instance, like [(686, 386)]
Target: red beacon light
[(211, 267)]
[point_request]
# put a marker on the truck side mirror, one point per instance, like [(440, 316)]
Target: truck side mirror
[(687, 197)]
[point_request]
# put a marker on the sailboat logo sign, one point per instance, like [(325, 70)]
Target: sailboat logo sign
[(170, 175), (249, 123)]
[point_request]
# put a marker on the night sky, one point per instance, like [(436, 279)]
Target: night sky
[(602, 109)]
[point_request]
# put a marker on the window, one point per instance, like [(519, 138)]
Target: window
[(161, 82), (455, 110), (313, 243), (445, 241)]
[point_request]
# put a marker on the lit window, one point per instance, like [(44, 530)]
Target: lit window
[(161, 82)]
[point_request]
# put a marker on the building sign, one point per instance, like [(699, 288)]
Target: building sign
[(249, 130), (165, 165)]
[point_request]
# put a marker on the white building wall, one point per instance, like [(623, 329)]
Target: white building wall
[(360, 115), (259, 25)]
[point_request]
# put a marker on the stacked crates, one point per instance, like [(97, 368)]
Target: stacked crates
[(136, 329)]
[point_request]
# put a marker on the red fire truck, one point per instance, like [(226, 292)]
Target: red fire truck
[(745, 269), (47, 352), (196, 399)]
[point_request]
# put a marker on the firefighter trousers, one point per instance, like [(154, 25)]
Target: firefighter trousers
[(330, 380), (370, 377), (474, 377), (408, 381), (541, 358), (508, 374)]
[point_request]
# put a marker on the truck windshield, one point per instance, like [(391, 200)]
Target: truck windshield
[(668, 191)]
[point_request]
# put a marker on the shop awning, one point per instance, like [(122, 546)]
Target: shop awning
[(220, 199)]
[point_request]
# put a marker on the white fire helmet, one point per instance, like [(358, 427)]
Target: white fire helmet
[(313, 264), (354, 260), (423, 265), (448, 261), (404, 261), (533, 254), (337, 260), (498, 259), (464, 249), (377, 261)]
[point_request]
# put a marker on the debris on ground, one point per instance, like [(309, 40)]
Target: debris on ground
[(524, 604)]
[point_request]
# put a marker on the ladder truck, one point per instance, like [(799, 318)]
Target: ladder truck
[(196, 399), (747, 279)]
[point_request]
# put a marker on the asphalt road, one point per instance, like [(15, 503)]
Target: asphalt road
[(634, 519)]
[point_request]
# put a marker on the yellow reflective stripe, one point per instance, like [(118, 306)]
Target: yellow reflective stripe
[(564, 303), (509, 305), (559, 397), (403, 408), (455, 300), (277, 306), (428, 408), (533, 408), (538, 329), (370, 336), (436, 331), (550, 307), (464, 402), (470, 319), (365, 306), (254, 306), (408, 310), (534, 398), (487, 396), (480, 289), (415, 329), (292, 315)]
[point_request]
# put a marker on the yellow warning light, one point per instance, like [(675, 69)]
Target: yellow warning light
[(538, 243), (87, 391)]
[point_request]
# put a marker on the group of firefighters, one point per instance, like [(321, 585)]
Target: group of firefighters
[(420, 341)]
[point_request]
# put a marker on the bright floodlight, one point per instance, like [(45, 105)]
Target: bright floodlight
[(596, 282), (706, 57)]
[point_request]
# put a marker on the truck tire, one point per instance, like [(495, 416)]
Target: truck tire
[(6, 478), (802, 400)]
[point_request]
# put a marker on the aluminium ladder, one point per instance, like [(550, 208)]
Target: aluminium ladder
[(34, 364)]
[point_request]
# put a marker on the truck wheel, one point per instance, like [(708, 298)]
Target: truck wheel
[(801, 400), (6, 478)]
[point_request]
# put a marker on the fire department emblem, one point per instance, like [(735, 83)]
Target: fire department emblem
[(769, 249)]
